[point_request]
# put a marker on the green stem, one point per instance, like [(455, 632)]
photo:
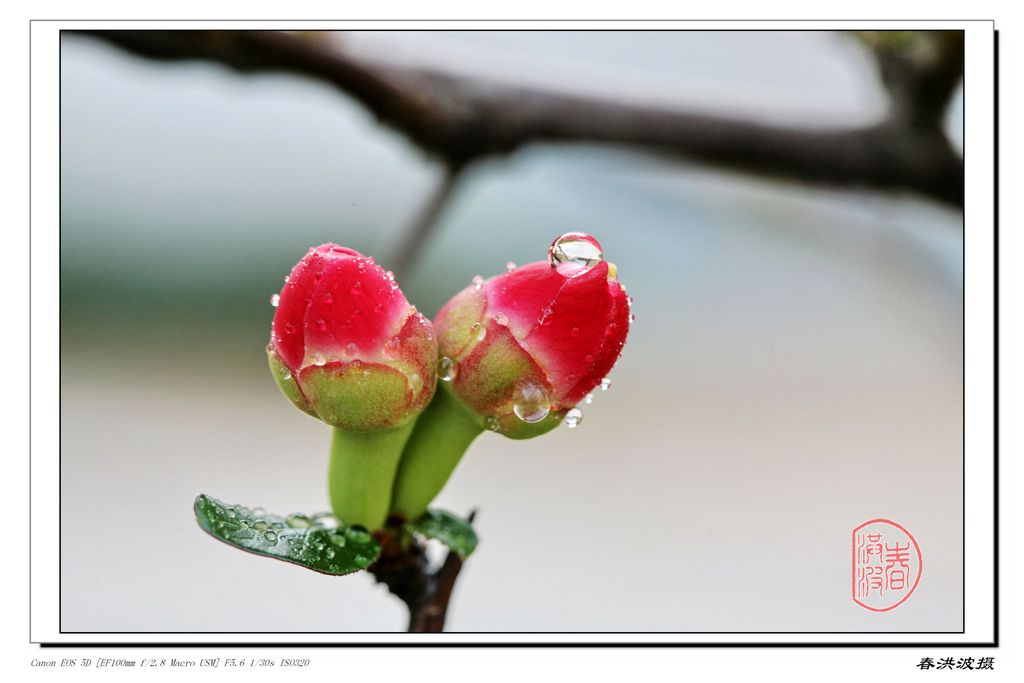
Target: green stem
[(362, 473), (442, 435)]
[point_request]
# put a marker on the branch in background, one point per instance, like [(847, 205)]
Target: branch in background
[(461, 119), (425, 220)]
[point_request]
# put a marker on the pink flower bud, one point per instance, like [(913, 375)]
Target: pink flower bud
[(347, 347), (522, 348)]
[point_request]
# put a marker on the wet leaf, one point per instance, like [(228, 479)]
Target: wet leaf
[(453, 531), (320, 542)]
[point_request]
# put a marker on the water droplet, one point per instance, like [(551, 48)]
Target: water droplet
[(632, 317), (391, 275), (325, 520), (629, 301), (491, 423), (351, 348), (447, 369), (477, 282), (358, 534), (501, 319), (575, 332), (477, 330), (275, 299), (289, 328), (232, 514), (261, 526), (605, 383), (589, 358), (531, 403), (321, 324), (328, 298), (318, 359), (298, 521), (286, 278), (510, 266), (610, 330), (362, 560), (338, 540), (574, 252), (285, 374), (318, 275), (589, 399), (270, 536), (573, 418)]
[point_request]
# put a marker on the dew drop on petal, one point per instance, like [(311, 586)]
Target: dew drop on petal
[(573, 418), (318, 359), (289, 328), (447, 369), (510, 266), (478, 331), (629, 301), (589, 399), (501, 319), (351, 348), (530, 402), (575, 332), (574, 252), (477, 282), (285, 374), (275, 299), (321, 324), (605, 383)]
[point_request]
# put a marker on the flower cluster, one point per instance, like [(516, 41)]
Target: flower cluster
[(514, 355)]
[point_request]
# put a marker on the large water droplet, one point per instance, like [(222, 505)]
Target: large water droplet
[(574, 252), (573, 418), (325, 520), (275, 299), (447, 369), (530, 403), (298, 521)]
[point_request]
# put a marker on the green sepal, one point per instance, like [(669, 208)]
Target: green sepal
[(305, 541), (453, 531)]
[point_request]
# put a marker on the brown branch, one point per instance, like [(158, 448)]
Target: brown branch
[(404, 569), (461, 119)]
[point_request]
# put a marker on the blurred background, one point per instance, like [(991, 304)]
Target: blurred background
[(795, 368)]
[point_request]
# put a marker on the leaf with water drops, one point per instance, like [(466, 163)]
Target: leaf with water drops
[(453, 531), (319, 542)]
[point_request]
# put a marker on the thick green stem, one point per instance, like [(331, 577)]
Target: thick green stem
[(443, 433), (362, 473)]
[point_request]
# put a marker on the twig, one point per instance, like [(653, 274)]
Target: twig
[(461, 119), (404, 569), (425, 220)]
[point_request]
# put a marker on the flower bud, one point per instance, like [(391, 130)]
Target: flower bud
[(522, 348), (347, 347)]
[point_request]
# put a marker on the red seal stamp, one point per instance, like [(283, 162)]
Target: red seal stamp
[(886, 565)]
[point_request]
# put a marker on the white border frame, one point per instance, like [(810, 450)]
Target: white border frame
[(979, 339)]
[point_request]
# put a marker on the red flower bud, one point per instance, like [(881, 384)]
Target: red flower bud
[(347, 347), (522, 348)]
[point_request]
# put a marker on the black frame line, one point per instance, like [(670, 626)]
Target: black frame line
[(571, 644)]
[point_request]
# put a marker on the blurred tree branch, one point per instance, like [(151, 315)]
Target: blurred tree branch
[(461, 120)]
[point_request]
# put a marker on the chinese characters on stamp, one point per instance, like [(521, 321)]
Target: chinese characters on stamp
[(886, 565)]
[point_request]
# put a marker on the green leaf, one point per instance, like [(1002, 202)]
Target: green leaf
[(320, 542), (454, 532)]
